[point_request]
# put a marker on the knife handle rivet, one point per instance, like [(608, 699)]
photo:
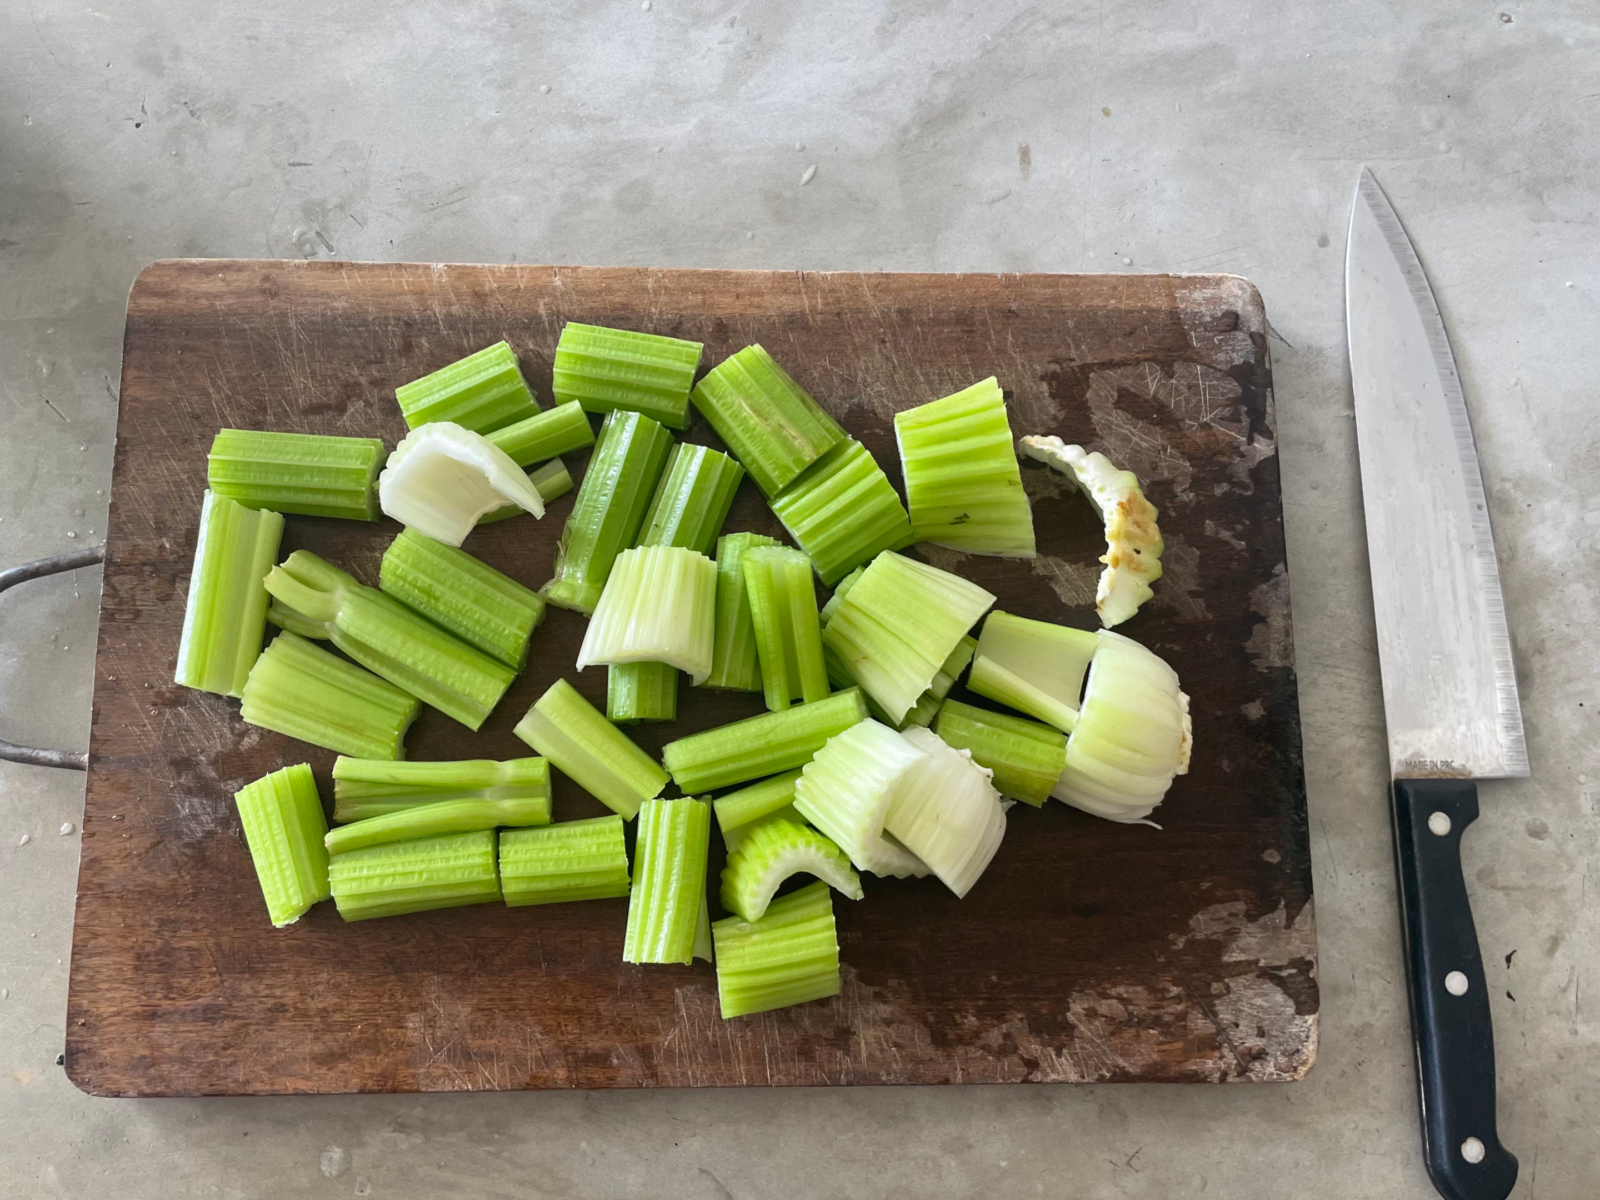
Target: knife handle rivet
[(1456, 983), (1472, 1150), (1438, 824)]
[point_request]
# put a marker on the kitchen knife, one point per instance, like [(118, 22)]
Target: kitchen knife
[(1449, 690)]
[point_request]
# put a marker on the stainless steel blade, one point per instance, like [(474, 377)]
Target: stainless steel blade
[(1449, 690)]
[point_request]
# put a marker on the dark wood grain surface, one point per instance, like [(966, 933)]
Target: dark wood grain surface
[(1089, 951)]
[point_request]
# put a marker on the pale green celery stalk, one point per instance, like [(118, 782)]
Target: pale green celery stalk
[(783, 613), (406, 877), (442, 480), (567, 729), (572, 860), (789, 956), (669, 884), (225, 613), (947, 812), (556, 431), (283, 827), (1033, 666), (482, 392), (365, 788), (761, 745), (609, 509), (756, 801), (605, 369), (643, 691), (843, 511), (550, 480), (846, 791), (897, 627), (770, 853), (299, 689), (1027, 757), (927, 705), (659, 606), (734, 663), (772, 426), (308, 473), (430, 820), (963, 482), (462, 595), (388, 638)]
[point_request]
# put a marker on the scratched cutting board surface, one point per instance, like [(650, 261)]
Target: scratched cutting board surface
[(1089, 951)]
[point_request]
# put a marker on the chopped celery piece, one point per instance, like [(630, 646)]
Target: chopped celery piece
[(946, 811), (1033, 666), (299, 689), (761, 745), (756, 801), (899, 624), (225, 613), (566, 729), (556, 431), (463, 595), (283, 827), (963, 484), (441, 478), (659, 606), (669, 881), (416, 876), (788, 957), (1027, 757), (316, 599), (643, 691), (609, 508), (441, 816), (692, 499), (733, 837), (924, 710), (783, 613), (773, 851), (734, 662), (843, 511), (480, 392), (605, 369), (550, 481), (365, 788), (846, 790), (764, 416), (572, 860), (308, 473)]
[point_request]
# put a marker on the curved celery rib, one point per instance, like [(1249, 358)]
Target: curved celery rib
[(313, 474), (659, 606), (284, 826), (430, 820), (462, 595), (846, 792), (748, 804), (1033, 666), (481, 392), (669, 884), (761, 745), (550, 481), (770, 853), (556, 431), (843, 511), (605, 369), (642, 691), (225, 613), (572, 860), (783, 612), (442, 480), (416, 876), (789, 956), (946, 811), (1027, 757), (734, 662), (566, 729), (365, 788), (299, 689)]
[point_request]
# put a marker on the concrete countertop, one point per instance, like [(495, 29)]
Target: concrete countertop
[(1204, 136)]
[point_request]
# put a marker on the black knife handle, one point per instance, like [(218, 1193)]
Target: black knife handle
[(1449, 994)]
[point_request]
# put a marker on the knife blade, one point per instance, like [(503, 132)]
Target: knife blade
[(1449, 687)]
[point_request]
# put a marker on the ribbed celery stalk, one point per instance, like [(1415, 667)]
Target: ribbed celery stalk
[(946, 811), (658, 606), (788, 957), (480, 392), (843, 511), (846, 791), (463, 595), (550, 481), (783, 613), (566, 729), (774, 850), (283, 827), (442, 479), (225, 613), (316, 599), (756, 801), (761, 745), (430, 820), (1027, 757), (927, 705), (299, 689), (365, 788), (610, 507), (772, 426), (313, 474), (669, 881), (415, 876), (734, 662), (1033, 666), (556, 431), (605, 369), (643, 691), (572, 860)]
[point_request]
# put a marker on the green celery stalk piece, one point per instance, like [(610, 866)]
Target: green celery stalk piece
[(481, 392), (430, 820), (313, 598), (1034, 666), (755, 801), (462, 595), (1027, 757), (771, 852), (761, 745), (659, 606), (299, 689), (769, 422), (669, 885), (644, 691), (692, 499), (312, 474), (609, 509), (789, 956), (225, 613), (600, 758), (843, 511), (606, 369), (571, 860), (365, 788), (283, 827), (783, 613), (394, 878), (734, 660), (556, 431)]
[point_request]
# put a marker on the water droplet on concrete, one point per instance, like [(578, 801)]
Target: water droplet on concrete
[(67, 827), (810, 174)]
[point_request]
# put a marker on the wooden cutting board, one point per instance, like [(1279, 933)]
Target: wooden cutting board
[(1089, 951)]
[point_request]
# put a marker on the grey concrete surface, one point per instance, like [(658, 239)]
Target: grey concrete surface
[(1206, 135)]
